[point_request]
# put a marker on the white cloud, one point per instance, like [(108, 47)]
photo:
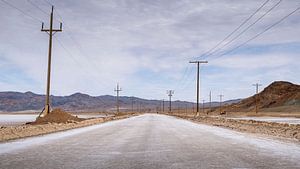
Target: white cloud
[(117, 40), (254, 61)]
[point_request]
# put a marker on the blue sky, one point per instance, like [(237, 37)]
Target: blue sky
[(146, 46)]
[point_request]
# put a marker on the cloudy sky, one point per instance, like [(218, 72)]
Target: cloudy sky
[(146, 45)]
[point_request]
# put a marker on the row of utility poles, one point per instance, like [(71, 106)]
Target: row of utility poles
[(170, 93)]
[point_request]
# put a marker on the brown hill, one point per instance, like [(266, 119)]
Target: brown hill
[(277, 94)]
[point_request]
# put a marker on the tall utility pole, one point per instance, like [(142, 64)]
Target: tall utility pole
[(51, 32), (198, 84), (203, 106), (163, 105), (209, 101), (221, 96), (137, 105), (118, 89), (132, 100), (256, 96), (170, 94)]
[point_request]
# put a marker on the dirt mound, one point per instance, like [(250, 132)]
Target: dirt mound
[(277, 94), (57, 116)]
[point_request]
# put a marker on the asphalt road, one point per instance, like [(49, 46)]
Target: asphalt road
[(150, 141)]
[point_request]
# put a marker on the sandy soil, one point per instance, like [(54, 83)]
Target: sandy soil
[(43, 127), (283, 130)]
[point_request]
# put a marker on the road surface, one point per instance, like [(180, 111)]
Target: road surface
[(149, 141)]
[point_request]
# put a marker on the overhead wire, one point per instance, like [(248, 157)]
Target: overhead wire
[(236, 29), (23, 12), (36, 6), (77, 45), (247, 28), (75, 60), (40, 21), (207, 53), (260, 33)]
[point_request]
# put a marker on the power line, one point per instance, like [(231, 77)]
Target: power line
[(36, 6), (186, 81), (247, 28), (23, 12), (36, 19), (182, 77), (236, 29), (87, 71), (259, 34), (76, 44), (48, 2)]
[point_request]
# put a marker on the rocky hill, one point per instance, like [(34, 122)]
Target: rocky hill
[(277, 94)]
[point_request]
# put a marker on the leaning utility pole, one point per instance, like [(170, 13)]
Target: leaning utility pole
[(221, 96), (51, 32), (256, 96), (118, 89), (198, 84), (170, 94)]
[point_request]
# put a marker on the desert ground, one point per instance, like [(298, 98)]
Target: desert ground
[(150, 141)]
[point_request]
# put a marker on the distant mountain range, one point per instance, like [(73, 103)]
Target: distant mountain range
[(16, 101)]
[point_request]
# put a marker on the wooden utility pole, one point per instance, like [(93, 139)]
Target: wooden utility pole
[(51, 32), (137, 105), (209, 101), (170, 94), (118, 89), (198, 83), (203, 106), (162, 105), (221, 96), (132, 100), (256, 96)]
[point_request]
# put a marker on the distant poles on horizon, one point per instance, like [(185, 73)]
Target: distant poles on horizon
[(170, 94), (117, 90)]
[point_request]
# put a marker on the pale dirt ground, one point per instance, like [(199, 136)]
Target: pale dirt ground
[(21, 131), (150, 141), (266, 127), (20, 119)]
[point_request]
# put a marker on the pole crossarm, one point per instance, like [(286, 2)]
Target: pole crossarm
[(198, 62)]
